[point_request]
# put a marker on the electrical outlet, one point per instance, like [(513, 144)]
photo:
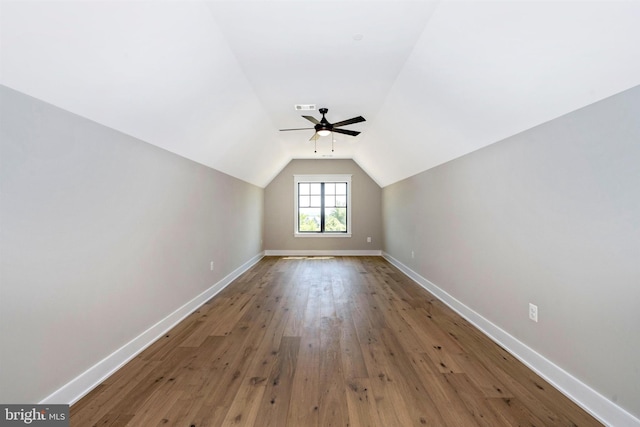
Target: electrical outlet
[(413, 255), (533, 312), (368, 239), (211, 265)]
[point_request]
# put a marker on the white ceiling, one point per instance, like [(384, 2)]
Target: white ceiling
[(213, 81)]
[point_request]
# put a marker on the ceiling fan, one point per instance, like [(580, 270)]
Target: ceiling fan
[(324, 128)]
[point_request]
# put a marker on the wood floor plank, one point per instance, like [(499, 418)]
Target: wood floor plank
[(351, 353), (432, 342), (184, 408), (114, 420), (513, 412), (274, 409), (226, 316), (297, 308), (451, 407), (325, 341), (244, 408), (483, 414), (390, 402), (99, 402), (333, 410), (421, 406), (486, 382), (361, 404), (304, 405), (149, 414)]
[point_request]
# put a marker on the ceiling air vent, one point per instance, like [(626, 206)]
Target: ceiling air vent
[(305, 107)]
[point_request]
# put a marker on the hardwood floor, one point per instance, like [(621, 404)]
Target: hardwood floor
[(325, 342)]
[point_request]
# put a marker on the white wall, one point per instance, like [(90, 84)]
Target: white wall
[(103, 236), (550, 216)]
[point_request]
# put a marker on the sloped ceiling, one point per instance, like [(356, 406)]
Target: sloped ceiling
[(213, 81)]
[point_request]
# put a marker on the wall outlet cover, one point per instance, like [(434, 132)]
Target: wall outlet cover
[(533, 312)]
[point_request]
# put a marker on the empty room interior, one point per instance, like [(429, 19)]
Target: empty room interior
[(314, 213)]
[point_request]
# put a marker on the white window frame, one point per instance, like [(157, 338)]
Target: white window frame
[(321, 178)]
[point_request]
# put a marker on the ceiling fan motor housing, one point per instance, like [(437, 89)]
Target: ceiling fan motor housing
[(324, 123)]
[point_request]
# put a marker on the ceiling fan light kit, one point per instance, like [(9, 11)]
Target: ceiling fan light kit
[(322, 127)]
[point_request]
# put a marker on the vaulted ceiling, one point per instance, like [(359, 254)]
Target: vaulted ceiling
[(214, 81)]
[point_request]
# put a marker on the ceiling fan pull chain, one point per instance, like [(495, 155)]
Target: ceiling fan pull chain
[(332, 141)]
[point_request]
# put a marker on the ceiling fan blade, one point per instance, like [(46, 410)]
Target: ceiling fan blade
[(346, 132), (312, 119), (314, 137), (282, 130), (349, 122)]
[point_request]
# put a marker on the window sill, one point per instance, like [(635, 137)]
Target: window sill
[(322, 235)]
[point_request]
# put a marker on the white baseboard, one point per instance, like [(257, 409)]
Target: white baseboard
[(590, 400), (329, 252), (92, 377)]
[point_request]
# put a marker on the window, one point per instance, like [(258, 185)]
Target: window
[(322, 205)]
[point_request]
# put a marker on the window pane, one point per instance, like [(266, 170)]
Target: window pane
[(335, 219), (303, 188), (309, 219), (329, 201), (341, 188), (330, 188), (316, 201), (341, 200), (315, 188), (304, 202)]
